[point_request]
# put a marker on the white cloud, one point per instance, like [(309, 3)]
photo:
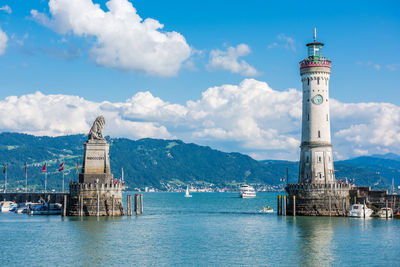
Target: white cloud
[(6, 8), (3, 42), (229, 60), (249, 117), (123, 40), (285, 42)]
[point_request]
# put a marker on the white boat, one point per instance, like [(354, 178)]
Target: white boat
[(187, 194), (382, 213), (247, 191), (7, 205), (266, 209), (357, 210)]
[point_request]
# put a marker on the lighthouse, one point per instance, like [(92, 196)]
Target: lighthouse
[(317, 193), (316, 161)]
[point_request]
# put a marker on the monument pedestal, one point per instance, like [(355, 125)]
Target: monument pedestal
[(95, 199), (319, 199)]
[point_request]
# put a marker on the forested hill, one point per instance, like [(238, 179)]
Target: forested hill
[(163, 163)]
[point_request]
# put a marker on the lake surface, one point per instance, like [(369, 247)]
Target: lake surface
[(209, 229)]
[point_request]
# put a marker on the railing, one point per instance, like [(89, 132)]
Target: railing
[(315, 63)]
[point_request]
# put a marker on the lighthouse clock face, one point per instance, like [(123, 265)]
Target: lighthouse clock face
[(318, 99)]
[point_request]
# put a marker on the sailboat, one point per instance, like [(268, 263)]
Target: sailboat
[(187, 192)]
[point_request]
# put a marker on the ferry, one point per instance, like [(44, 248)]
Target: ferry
[(23, 207), (247, 191), (357, 210)]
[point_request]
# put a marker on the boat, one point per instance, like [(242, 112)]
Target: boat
[(187, 194), (7, 205), (23, 207), (266, 209), (247, 191), (42, 209), (357, 210), (382, 213)]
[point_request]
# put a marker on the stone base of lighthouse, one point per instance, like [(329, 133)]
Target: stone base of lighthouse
[(88, 199), (318, 199)]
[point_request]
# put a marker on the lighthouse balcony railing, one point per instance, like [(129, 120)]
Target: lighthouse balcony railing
[(315, 63)]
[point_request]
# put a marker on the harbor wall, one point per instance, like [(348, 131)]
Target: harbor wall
[(20, 197)]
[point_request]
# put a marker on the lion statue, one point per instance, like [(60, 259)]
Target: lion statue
[(96, 132)]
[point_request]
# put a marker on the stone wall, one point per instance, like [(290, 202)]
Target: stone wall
[(83, 200), (319, 199)]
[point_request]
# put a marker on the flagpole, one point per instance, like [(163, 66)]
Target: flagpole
[(63, 181), (5, 181), (26, 178)]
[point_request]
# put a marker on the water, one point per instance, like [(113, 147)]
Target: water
[(209, 229)]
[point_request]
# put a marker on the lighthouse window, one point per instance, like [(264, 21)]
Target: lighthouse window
[(320, 175), (308, 159), (308, 81), (319, 134), (319, 159), (318, 80)]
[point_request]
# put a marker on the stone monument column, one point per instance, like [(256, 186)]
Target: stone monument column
[(96, 193)]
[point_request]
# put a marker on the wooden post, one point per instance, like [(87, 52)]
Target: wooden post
[(284, 205), (364, 208), (279, 205), (387, 209), (141, 203), (48, 204), (65, 206), (330, 205), (129, 204), (112, 205), (137, 204), (294, 205)]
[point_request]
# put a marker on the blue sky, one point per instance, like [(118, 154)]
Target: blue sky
[(49, 55)]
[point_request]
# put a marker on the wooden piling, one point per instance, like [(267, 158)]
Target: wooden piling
[(284, 205), (364, 209), (279, 205), (141, 203), (294, 205), (129, 205), (65, 206), (137, 204), (48, 204), (387, 216), (112, 205), (98, 204)]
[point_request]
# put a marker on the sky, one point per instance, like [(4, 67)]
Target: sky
[(217, 73)]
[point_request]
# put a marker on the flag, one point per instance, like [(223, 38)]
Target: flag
[(5, 168), (44, 168), (61, 167), (26, 170), (77, 167)]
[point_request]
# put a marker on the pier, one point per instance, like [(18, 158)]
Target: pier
[(20, 197)]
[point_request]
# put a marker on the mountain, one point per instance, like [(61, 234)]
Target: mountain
[(168, 163)]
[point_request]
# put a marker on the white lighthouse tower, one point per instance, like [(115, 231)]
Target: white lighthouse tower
[(316, 162)]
